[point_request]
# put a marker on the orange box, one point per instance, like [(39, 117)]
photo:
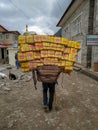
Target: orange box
[(37, 38), (44, 53), (70, 68), (38, 46), (68, 63), (58, 54), (40, 62), (69, 44), (52, 39), (24, 47), (46, 44), (51, 53), (77, 45), (67, 50), (47, 61), (73, 51), (32, 47), (35, 63), (45, 38), (58, 40), (29, 55), (32, 65), (21, 39), (65, 56), (36, 55), (29, 39), (24, 65), (21, 57), (64, 41), (54, 61), (62, 63), (61, 49), (72, 57), (72, 44), (25, 69)]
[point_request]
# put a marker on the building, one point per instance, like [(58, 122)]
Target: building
[(8, 39), (80, 23), (58, 33)]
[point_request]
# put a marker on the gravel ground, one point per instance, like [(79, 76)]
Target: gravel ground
[(21, 105)]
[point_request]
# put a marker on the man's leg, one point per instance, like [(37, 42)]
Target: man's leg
[(51, 95), (45, 88)]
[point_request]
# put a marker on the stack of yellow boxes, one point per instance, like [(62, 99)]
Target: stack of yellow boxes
[(38, 50)]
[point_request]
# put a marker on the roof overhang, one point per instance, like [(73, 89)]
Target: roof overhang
[(71, 8), (3, 46)]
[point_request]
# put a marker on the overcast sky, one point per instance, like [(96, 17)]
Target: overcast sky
[(41, 16)]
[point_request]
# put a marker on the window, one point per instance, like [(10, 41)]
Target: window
[(66, 31), (7, 36), (16, 37), (0, 36), (76, 26)]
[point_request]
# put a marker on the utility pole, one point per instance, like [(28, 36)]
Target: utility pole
[(90, 31)]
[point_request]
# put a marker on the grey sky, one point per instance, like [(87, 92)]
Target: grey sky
[(40, 15)]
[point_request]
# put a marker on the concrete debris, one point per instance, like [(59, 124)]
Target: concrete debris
[(2, 69), (28, 78), (2, 75), (21, 76)]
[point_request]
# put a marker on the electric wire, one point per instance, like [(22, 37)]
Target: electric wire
[(18, 9)]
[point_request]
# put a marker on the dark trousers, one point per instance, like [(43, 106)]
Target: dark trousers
[(17, 64), (48, 100)]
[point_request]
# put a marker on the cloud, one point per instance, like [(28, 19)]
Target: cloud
[(40, 16), (40, 30)]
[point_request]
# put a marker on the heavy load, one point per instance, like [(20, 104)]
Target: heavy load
[(42, 50)]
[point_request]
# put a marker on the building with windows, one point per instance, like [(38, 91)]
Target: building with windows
[(80, 23), (8, 39)]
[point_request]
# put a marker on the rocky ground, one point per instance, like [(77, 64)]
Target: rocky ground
[(21, 105)]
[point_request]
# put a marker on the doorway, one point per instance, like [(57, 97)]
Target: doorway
[(2, 53)]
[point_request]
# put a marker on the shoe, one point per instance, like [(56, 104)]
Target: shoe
[(50, 109), (45, 108)]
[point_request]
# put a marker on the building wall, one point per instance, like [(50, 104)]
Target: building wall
[(8, 38), (73, 33), (11, 38), (12, 52)]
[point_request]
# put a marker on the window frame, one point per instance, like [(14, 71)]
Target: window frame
[(1, 36), (7, 36), (76, 25)]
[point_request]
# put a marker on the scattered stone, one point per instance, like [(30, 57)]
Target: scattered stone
[(6, 89), (73, 83), (3, 84), (8, 67), (16, 81)]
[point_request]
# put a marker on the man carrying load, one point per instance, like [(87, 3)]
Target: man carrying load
[(48, 56)]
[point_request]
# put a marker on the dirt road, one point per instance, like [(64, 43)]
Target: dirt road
[(21, 105)]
